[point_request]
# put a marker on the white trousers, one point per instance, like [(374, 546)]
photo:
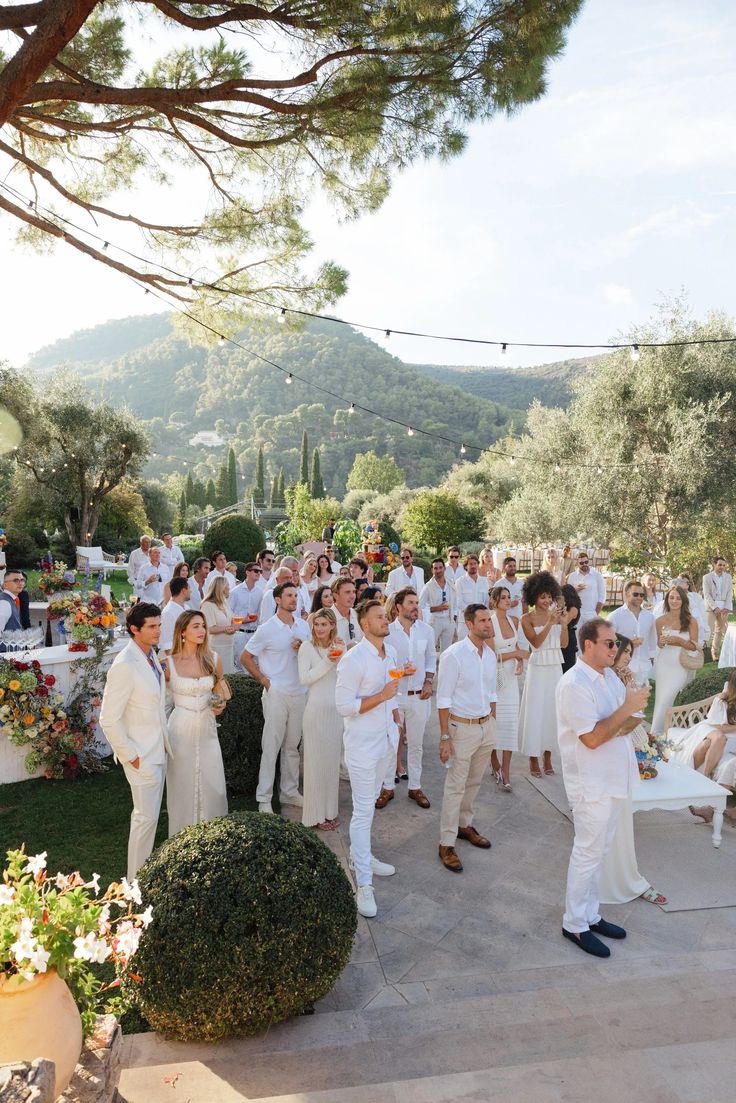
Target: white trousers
[(595, 825), (444, 630), (146, 787), (365, 785), (282, 731), (414, 715)]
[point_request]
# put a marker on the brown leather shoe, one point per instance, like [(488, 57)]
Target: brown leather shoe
[(419, 797), (473, 837), (450, 860), (384, 798)]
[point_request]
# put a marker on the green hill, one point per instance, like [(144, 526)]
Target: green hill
[(514, 387), (181, 389)]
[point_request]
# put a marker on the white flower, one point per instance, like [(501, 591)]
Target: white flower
[(146, 916), (62, 881), (39, 958), (7, 894), (37, 863), (131, 891), (91, 948), (94, 883), (103, 922), (127, 939), (25, 946)]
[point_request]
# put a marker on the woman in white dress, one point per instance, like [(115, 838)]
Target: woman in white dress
[(487, 567), (710, 746), (676, 629), (620, 877), (510, 664), (220, 628), (308, 574), (546, 630), (322, 726), (195, 776), (551, 564), (323, 599), (325, 574)]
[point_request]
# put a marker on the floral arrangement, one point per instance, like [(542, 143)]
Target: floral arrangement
[(658, 749), (3, 539), (85, 617), (55, 576), (61, 922), (382, 558), (31, 716)]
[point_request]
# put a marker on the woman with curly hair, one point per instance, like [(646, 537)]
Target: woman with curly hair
[(545, 627)]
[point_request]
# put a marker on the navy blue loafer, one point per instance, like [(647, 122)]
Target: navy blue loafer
[(587, 942), (608, 930)]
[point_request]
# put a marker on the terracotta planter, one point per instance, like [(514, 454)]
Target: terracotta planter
[(39, 1018)]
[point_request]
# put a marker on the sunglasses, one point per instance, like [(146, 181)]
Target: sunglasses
[(255, 570), (454, 557), (610, 644), (638, 593)]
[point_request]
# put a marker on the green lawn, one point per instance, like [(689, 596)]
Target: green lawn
[(118, 582)]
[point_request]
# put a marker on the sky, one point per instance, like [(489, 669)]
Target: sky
[(566, 222)]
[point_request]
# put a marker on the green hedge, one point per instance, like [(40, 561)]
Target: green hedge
[(253, 922), (240, 727), (705, 685), (236, 535)]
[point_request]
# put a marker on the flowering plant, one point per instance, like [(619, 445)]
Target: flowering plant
[(658, 749), (62, 922), (29, 714), (92, 611), (56, 576)]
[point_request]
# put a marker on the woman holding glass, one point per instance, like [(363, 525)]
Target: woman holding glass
[(219, 619), (677, 631), (322, 726), (509, 666), (195, 775)]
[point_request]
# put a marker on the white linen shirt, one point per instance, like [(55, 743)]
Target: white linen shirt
[(583, 697), (432, 594), (154, 591), (268, 603), (594, 592), (470, 591), (625, 623), (135, 561), (453, 573), (361, 673), (467, 682), (515, 590), (343, 627), (195, 598), (398, 579), (271, 644), (171, 556), (416, 646), (170, 614), (244, 603)]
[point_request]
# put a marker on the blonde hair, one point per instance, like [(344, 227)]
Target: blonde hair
[(547, 562), (308, 559), (232, 568), (218, 593), (390, 606), (327, 615), (203, 653)]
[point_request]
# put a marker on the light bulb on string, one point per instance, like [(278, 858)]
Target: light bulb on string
[(599, 471), (282, 316), (290, 378), (221, 340), (503, 349), (410, 432), (105, 244), (635, 354), (463, 449), (388, 332), (512, 460), (352, 408), (557, 469)]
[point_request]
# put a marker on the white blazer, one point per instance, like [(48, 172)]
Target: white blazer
[(132, 714), (709, 590)]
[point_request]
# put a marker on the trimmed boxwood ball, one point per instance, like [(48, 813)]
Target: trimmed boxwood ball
[(239, 537), (705, 685), (240, 728), (253, 921)]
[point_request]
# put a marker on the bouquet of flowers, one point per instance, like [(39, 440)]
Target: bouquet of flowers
[(55, 576), (61, 607), (658, 749), (62, 922), (29, 714), (87, 617)]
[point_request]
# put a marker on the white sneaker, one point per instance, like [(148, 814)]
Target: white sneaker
[(366, 901), (265, 806), (382, 869), (295, 798)]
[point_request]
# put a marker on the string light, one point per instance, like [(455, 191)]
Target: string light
[(635, 354), (512, 460), (282, 315), (290, 378), (463, 449), (352, 408), (388, 332), (410, 432), (221, 341), (557, 469), (503, 348)]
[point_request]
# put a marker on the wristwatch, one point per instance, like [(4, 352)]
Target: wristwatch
[(444, 738)]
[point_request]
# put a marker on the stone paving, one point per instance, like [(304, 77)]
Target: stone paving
[(463, 989)]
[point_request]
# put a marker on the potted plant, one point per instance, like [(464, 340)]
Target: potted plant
[(52, 930)]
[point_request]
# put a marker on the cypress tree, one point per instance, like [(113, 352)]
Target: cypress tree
[(232, 478), (259, 489), (189, 490), (199, 494), (281, 498), (304, 460), (210, 494), (180, 519), (222, 488), (273, 501), (316, 488)]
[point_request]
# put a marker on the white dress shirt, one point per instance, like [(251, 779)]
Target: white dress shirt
[(417, 646), (170, 614), (583, 697), (628, 624), (136, 560), (171, 556), (154, 591), (515, 589), (195, 598), (398, 579), (271, 644), (246, 602), (434, 594), (361, 673), (467, 683), (453, 573), (594, 592), (268, 603), (470, 591), (219, 574), (344, 624)]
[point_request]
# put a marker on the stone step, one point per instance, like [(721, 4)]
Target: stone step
[(374, 1049)]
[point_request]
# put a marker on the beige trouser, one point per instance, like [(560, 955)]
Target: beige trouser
[(717, 628), (472, 745)]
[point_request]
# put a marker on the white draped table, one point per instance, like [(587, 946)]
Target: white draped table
[(728, 651), (57, 661), (676, 786)]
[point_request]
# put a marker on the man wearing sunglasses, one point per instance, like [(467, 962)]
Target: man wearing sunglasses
[(637, 624), (245, 602), (454, 568), (591, 587), (595, 713), (405, 575)]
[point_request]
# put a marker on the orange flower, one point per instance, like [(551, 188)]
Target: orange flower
[(28, 718), (14, 684)]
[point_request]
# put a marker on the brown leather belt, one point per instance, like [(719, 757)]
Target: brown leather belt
[(413, 692), (466, 720)]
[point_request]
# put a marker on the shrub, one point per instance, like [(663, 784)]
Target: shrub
[(236, 535), (704, 685), (253, 921), (22, 550), (190, 549), (240, 727)]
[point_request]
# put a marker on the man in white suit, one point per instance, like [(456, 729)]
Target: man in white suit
[(718, 597), (134, 722)]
